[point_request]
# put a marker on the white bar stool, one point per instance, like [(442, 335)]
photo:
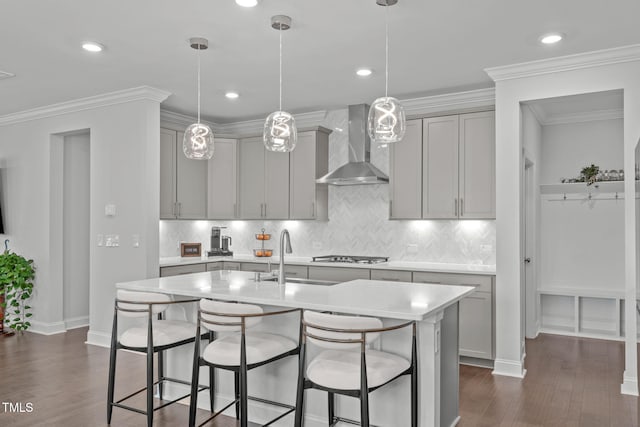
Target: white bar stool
[(156, 336), (238, 352), (342, 369)]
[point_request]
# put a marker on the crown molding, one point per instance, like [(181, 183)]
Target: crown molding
[(565, 63), (180, 121), (83, 104), (450, 101), (587, 116), (256, 127)]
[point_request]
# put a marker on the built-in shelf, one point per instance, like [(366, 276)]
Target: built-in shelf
[(590, 313)]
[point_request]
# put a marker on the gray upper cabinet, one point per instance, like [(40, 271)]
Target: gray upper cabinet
[(309, 161), (477, 165), (405, 174), (444, 168), (440, 173), (222, 181), (167, 174), (263, 181), (183, 182)]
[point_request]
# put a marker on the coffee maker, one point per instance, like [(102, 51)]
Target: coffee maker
[(219, 243)]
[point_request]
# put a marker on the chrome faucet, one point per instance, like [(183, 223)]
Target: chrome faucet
[(283, 234)]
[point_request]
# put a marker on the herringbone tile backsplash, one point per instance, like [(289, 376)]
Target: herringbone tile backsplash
[(358, 223)]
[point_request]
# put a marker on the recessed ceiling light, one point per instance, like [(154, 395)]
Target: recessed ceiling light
[(92, 46), (551, 38), (232, 95), (364, 72), (247, 3)]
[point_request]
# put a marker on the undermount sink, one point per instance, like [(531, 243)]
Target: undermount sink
[(298, 280)]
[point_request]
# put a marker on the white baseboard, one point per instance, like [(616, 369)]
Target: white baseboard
[(44, 328), (76, 322), (629, 385), (509, 368), (101, 339)]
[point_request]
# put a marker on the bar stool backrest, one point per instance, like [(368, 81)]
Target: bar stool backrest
[(221, 321), (334, 321), (142, 310)]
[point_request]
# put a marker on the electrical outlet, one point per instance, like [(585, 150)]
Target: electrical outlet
[(135, 240), (100, 239), (112, 240)]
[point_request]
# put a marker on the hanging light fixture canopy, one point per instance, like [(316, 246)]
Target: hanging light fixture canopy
[(280, 133), (387, 121), (198, 138)]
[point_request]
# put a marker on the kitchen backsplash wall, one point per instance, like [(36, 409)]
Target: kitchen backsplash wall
[(358, 223)]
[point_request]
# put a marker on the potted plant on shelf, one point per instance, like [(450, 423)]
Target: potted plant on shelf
[(16, 287), (589, 173)]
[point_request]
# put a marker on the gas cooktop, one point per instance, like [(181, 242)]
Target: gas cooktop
[(351, 259)]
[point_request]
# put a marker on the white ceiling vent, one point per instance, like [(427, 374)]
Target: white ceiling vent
[(5, 75)]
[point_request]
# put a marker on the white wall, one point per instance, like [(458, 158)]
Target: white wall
[(125, 134), (358, 222), (567, 148), (586, 73), (76, 238), (582, 242)]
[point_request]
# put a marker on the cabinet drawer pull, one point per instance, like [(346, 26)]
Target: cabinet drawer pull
[(428, 282), (390, 279)]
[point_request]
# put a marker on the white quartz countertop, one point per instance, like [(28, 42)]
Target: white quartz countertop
[(394, 300), (439, 267)]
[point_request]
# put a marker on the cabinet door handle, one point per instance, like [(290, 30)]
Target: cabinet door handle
[(455, 207), (179, 209), (461, 207), (265, 210), (390, 208), (313, 209), (235, 210), (173, 209)]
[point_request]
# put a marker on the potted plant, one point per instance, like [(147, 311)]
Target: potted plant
[(16, 287), (589, 173)]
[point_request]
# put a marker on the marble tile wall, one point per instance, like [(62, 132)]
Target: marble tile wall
[(358, 223)]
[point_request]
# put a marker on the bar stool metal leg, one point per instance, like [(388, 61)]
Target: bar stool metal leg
[(160, 373), (195, 376), (243, 381), (150, 374), (212, 379), (112, 366), (236, 379), (299, 416), (331, 399)]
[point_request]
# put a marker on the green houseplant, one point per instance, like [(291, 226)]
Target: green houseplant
[(589, 173), (16, 287)]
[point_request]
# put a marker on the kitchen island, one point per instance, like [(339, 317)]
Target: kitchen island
[(433, 306)]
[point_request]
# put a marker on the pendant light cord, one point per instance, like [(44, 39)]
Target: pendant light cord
[(198, 83), (280, 104), (386, 51)]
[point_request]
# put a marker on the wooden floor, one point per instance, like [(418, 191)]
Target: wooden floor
[(570, 382)]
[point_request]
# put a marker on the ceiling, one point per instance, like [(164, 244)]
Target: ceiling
[(436, 46)]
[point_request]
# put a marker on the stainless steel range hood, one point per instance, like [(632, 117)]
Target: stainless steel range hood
[(358, 170)]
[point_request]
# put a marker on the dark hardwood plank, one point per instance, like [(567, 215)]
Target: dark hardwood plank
[(570, 382)]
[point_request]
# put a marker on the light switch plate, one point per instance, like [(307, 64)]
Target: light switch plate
[(110, 209)]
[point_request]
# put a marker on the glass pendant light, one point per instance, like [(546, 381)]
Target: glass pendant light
[(280, 133), (198, 138), (387, 121)]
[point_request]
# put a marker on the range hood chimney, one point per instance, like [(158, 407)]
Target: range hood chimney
[(358, 170)]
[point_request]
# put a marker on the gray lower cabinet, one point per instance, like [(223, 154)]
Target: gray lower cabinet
[(177, 270), (230, 265), (391, 275), (254, 266), (476, 313), (214, 266), (338, 274), (297, 271)]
